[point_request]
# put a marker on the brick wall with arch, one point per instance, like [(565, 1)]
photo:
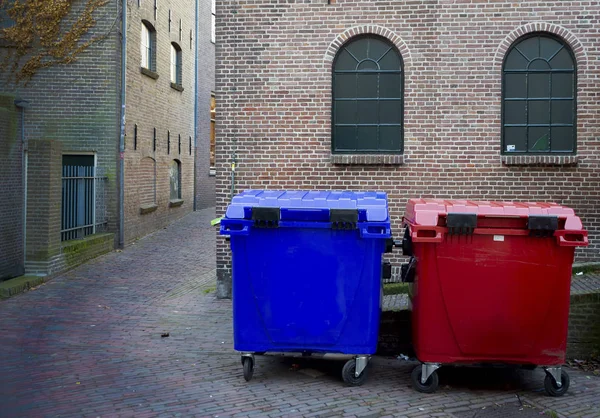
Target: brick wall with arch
[(274, 86)]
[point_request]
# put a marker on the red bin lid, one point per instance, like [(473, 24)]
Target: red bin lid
[(427, 212)]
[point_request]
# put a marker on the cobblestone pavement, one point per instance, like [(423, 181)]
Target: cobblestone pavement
[(90, 343)]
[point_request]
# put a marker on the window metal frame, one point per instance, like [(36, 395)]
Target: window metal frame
[(148, 51), (176, 67), (527, 125), (333, 96)]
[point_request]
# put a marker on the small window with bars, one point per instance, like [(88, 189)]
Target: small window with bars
[(83, 210)]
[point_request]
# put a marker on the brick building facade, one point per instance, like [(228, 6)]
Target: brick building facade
[(205, 176), (160, 118), (69, 110), (72, 119), (456, 135)]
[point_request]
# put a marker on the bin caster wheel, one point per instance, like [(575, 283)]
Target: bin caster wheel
[(349, 376), (550, 384), (248, 364), (430, 386)]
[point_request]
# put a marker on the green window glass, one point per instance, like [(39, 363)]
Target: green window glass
[(538, 97), (368, 106)]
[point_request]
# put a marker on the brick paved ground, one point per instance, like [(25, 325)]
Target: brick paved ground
[(89, 344)]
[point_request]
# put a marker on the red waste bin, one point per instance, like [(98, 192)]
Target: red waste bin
[(491, 284)]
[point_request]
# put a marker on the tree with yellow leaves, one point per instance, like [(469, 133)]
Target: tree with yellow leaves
[(36, 34)]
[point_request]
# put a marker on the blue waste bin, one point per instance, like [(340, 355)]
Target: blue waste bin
[(307, 269)]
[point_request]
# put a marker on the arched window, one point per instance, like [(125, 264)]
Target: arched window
[(368, 90), (175, 179), (539, 96), (148, 46), (176, 70)]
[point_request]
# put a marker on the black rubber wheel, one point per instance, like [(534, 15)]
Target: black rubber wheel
[(550, 384), (348, 374), (430, 386), (248, 368)]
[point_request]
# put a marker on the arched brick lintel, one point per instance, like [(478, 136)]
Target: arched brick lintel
[(343, 37), (563, 33)]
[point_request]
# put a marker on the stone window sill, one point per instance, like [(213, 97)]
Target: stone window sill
[(367, 159), (144, 209), (540, 160), (173, 203), (177, 87), (149, 73)]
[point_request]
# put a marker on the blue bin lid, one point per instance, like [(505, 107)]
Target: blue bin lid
[(374, 203)]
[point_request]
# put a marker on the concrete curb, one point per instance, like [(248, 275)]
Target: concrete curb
[(20, 284)]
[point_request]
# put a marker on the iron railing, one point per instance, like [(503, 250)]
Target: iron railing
[(83, 202)]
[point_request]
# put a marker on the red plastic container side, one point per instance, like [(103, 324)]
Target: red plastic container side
[(499, 294)]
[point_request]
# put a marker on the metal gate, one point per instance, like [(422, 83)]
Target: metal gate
[(83, 201)]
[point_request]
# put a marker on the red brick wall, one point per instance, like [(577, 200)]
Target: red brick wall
[(274, 92)]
